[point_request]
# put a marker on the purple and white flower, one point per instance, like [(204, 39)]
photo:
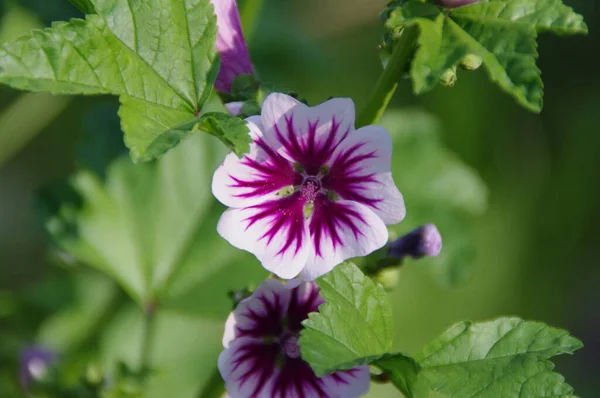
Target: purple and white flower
[(262, 357), (235, 59), (312, 192)]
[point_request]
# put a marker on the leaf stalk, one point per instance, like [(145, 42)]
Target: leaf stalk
[(388, 80)]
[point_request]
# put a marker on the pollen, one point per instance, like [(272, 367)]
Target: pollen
[(311, 186)]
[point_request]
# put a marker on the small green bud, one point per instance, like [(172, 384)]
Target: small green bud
[(308, 209), (471, 62), (449, 77), (388, 277), (286, 191)]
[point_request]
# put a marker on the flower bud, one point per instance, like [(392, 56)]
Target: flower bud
[(449, 77), (423, 241), (235, 59), (35, 363), (454, 3), (471, 62), (388, 277)]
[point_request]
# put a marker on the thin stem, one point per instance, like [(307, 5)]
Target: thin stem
[(148, 330), (388, 80), (214, 387)]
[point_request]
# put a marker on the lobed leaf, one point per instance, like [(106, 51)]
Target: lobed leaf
[(502, 33), (353, 327), (507, 357), (158, 56), (143, 224)]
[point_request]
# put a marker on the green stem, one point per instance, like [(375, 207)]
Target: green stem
[(388, 80), (249, 17), (214, 387), (148, 330)]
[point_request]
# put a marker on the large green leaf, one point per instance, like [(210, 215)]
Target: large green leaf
[(138, 223), (158, 56), (438, 188), (507, 357), (353, 327), (502, 33)]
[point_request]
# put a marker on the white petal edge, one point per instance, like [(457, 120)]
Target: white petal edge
[(391, 209), (232, 227), (277, 106), (375, 235), (358, 384)]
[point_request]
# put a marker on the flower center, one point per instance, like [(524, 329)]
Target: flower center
[(290, 347), (311, 186)]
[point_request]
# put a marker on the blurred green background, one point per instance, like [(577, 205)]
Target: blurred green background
[(534, 252)]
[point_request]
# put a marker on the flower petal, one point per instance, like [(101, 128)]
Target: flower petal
[(304, 299), (348, 384), (260, 315), (235, 59), (340, 230), (360, 171), (234, 108), (248, 368), (274, 231), (255, 178), (307, 135)]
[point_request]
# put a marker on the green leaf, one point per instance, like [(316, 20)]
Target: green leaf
[(507, 357), (502, 33), (439, 189), (84, 6), (403, 371), (353, 327), (138, 223), (230, 130), (70, 328), (158, 56)]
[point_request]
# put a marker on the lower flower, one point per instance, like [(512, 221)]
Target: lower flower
[(262, 357)]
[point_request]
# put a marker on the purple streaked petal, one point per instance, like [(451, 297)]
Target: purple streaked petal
[(254, 368), (274, 231), (304, 299), (360, 171), (248, 367), (235, 59), (340, 230), (255, 178), (350, 383), (260, 315), (307, 135)]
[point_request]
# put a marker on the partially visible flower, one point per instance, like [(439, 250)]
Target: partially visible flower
[(262, 357), (235, 59), (423, 241), (34, 364), (234, 108), (312, 192), (454, 3)]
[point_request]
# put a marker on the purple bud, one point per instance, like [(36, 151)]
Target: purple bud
[(34, 364), (423, 241), (454, 3), (235, 59)]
